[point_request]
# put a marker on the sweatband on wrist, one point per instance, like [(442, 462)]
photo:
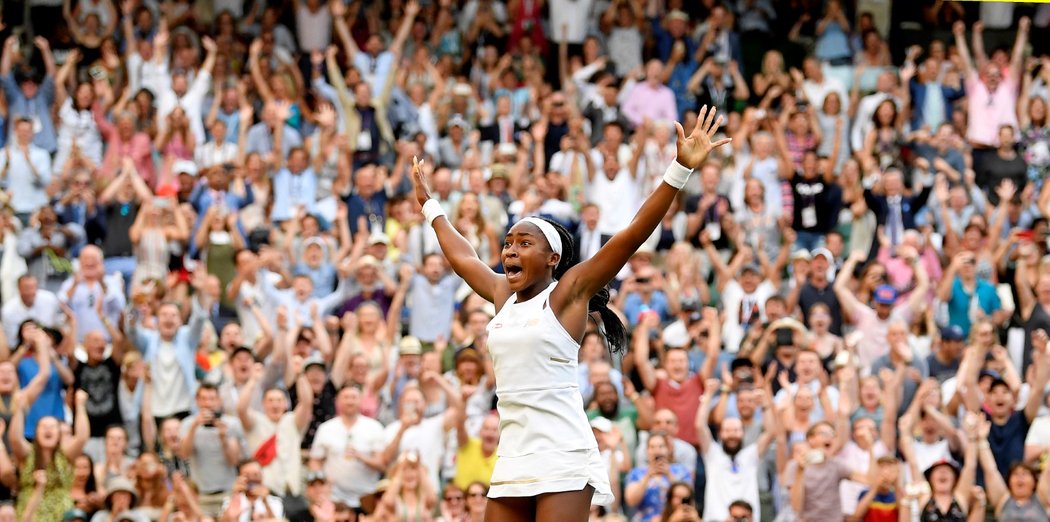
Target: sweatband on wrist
[(432, 210), (677, 174)]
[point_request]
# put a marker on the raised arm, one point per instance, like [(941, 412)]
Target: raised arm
[(959, 30), (258, 79), (641, 351), (1024, 25), (585, 279), (1042, 374), (411, 10), (460, 254), (73, 446), (703, 412), (847, 300)]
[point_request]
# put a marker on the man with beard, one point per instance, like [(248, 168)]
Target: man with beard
[(607, 404), (732, 467)]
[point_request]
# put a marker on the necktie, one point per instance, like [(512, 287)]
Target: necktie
[(894, 220)]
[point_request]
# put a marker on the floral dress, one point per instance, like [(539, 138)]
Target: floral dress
[(57, 499), (1035, 149)]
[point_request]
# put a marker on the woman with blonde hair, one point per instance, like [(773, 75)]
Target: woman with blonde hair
[(772, 74), (471, 223), (150, 479), (410, 496)]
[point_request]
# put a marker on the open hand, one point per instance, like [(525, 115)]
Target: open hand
[(419, 182), (694, 148)]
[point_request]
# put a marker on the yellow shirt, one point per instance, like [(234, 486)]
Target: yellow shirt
[(472, 466)]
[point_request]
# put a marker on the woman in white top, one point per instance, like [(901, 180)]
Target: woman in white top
[(548, 465)]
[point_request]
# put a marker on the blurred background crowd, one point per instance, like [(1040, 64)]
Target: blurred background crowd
[(221, 303)]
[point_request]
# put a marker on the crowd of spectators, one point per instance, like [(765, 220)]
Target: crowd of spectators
[(221, 303)]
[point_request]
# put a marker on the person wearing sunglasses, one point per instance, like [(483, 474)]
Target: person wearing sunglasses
[(453, 505)]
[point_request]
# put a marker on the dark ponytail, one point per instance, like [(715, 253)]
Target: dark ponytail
[(611, 326)]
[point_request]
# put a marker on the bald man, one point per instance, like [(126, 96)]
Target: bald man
[(97, 303), (99, 376)]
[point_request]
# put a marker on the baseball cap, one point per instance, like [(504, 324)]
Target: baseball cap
[(184, 167), (313, 360), (943, 462), (801, 255), (378, 237), (601, 424), (885, 295), (824, 252), (409, 346), (750, 267), (997, 378), (952, 333)]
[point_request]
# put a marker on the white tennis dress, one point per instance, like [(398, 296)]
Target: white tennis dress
[(546, 444)]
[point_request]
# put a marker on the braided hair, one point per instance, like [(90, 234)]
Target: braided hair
[(611, 326)]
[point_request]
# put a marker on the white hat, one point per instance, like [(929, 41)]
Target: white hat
[(184, 167), (602, 424)]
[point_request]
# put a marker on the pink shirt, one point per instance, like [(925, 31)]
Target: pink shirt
[(873, 344), (138, 147), (901, 274), (990, 110), (656, 103)]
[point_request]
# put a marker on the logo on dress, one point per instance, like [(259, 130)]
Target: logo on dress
[(497, 325)]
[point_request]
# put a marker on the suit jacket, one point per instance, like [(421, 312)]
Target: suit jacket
[(910, 206), (492, 132)]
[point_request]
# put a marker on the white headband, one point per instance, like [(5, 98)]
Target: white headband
[(548, 232)]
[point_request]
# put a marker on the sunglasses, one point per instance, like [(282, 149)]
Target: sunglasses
[(476, 495)]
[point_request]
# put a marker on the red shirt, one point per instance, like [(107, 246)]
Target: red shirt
[(683, 399)]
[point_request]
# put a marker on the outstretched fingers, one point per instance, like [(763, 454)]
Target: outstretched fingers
[(714, 128), (700, 121), (709, 122), (681, 132)]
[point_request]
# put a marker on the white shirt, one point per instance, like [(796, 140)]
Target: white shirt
[(191, 103), (167, 375), (258, 507), (862, 120), (816, 92), (45, 311), (211, 154), (618, 200), (732, 297), (427, 437), (350, 478), (573, 14), (730, 479), (25, 178)]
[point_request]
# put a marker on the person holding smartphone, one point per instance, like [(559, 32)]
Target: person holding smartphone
[(647, 485)]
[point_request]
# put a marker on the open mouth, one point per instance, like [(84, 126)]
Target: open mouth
[(514, 272)]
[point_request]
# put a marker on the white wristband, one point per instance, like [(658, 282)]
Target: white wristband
[(432, 210), (677, 174)]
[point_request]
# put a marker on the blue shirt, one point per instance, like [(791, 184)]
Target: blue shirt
[(652, 503), (960, 303), (37, 108), (633, 306), (49, 403), (292, 190), (324, 277)]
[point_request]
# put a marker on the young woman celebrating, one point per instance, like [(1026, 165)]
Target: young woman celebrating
[(549, 467)]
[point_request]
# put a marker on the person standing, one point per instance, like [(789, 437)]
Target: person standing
[(549, 467)]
